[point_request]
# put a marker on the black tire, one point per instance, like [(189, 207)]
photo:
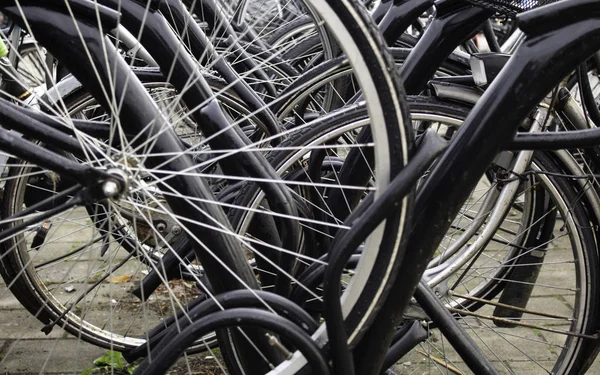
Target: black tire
[(329, 80)]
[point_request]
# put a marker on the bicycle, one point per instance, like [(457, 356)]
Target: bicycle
[(135, 107)]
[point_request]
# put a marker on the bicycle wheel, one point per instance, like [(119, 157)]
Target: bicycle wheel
[(45, 286), (330, 85), (294, 161), (31, 65), (391, 146), (543, 322), (313, 179), (556, 328)]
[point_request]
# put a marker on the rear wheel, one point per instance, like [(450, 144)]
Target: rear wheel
[(530, 298)]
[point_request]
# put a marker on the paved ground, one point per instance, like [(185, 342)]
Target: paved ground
[(24, 349)]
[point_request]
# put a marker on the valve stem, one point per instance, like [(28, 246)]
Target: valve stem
[(274, 342)]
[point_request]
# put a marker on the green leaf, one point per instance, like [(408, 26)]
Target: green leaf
[(111, 359), (92, 371)]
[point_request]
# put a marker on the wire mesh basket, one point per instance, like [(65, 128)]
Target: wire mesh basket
[(511, 7)]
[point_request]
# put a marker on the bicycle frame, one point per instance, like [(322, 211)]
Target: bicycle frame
[(455, 22), (215, 17), (554, 45), (54, 28), (181, 70), (12, 118), (164, 46), (400, 16), (481, 128), (44, 19)]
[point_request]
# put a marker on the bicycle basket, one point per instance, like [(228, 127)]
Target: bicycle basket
[(511, 7)]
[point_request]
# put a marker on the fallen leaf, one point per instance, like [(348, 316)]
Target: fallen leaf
[(121, 279)]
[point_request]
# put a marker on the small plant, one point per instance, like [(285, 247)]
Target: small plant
[(110, 363)]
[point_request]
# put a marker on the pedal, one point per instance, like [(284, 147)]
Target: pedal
[(40, 236)]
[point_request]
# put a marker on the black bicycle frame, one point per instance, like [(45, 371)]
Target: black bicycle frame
[(381, 9), (216, 20), (229, 31), (455, 22), (182, 21), (182, 71), (544, 58), (78, 42), (44, 21), (560, 37), (175, 62), (20, 147), (400, 16)]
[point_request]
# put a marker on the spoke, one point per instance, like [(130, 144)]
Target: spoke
[(519, 323)]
